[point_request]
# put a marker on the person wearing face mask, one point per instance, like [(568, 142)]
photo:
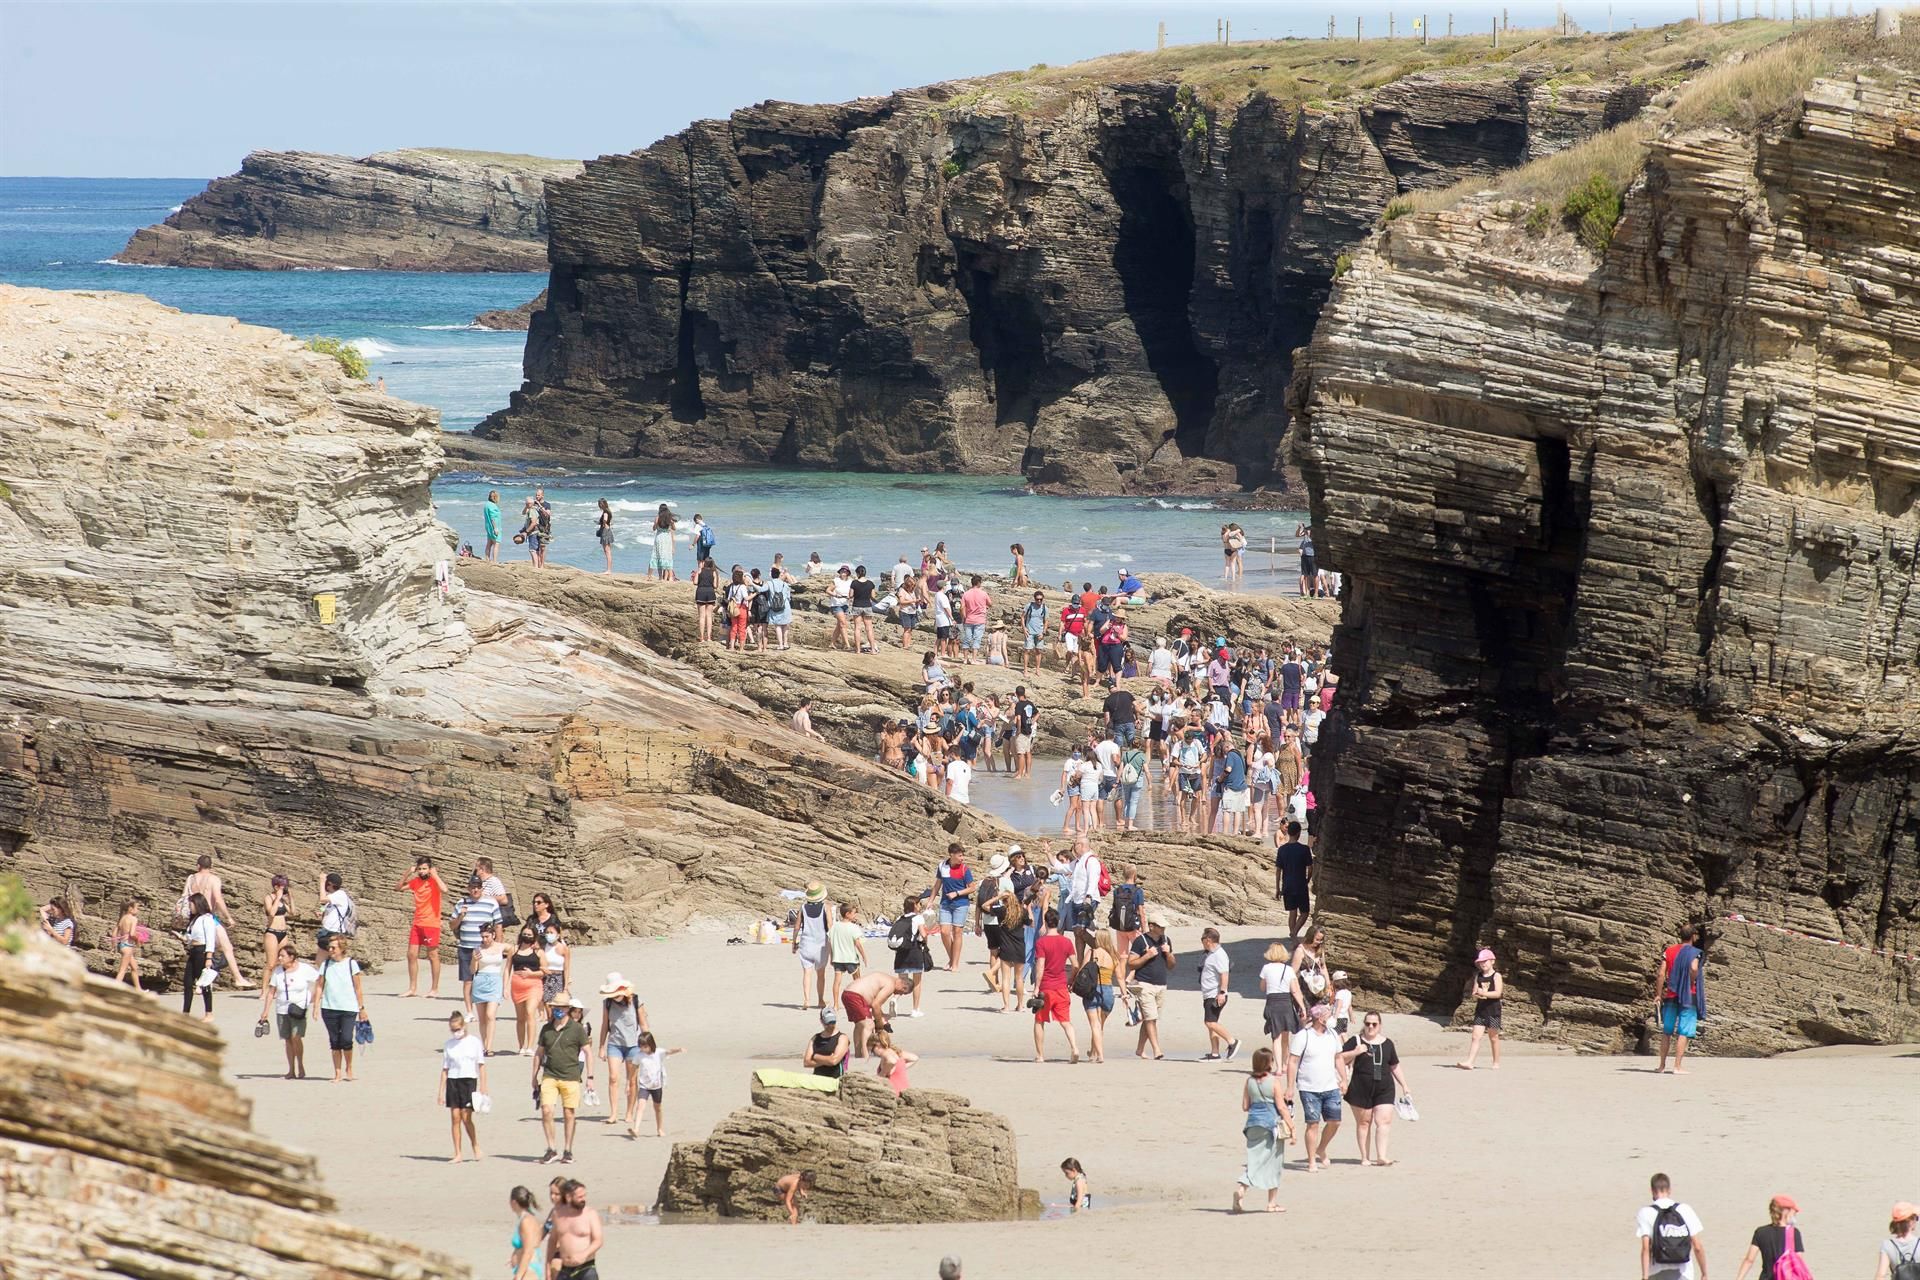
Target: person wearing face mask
[(556, 962), (525, 988), (557, 1068)]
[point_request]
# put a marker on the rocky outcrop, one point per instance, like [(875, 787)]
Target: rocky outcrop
[(512, 318), (410, 210), (1094, 282), (1630, 544), (923, 1156), (125, 1151)]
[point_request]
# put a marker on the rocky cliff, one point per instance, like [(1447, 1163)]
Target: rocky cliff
[(124, 1152), (514, 318), (411, 210), (1092, 276), (1629, 638)]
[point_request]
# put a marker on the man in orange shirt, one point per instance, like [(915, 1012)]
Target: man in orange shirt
[(427, 889)]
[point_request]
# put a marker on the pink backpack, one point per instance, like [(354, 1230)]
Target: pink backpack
[(1790, 1265)]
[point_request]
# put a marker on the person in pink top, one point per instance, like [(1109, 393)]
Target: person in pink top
[(974, 606)]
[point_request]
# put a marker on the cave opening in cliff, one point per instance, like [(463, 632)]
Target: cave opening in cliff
[(1153, 256), (683, 393), (1004, 326)]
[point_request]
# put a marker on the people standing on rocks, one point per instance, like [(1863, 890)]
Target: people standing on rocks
[(793, 1188), (1487, 988), (56, 921), (623, 1019), (343, 1004), (975, 603), (129, 935), (1374, 1085), (1151, 961), (528, 1258), (558, 1060), (576, 1236), (423, 936), (603, 533), (1313, 1075), (525, 988), (1262, 1126), (289, 994), (1900, 1251), (1053, 957), (1669, 1233), (779, 598), (739, 598), (1033, 626), (810, 929), (1779, 1238), (1215, 991), (706, 594), (660, 560), (1683, 997), (1079, 1193), (702, 539), (463, 1074), (861, 597), (827, 1052), (864, 997), (955, 880), (490, 523)]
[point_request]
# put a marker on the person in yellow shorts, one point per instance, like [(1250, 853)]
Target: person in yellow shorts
[(558, 1062)]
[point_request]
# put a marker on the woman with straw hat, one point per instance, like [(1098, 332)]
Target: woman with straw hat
[(810, 944)]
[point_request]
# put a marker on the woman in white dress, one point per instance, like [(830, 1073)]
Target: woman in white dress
[(661, 564)]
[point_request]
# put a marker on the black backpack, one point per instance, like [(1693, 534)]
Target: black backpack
[(1086, 980), (1908, 1266), (1124, 914), (901, 933), (1672, 1242)]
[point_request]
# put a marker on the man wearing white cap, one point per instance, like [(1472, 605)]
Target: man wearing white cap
[(557, 1065)]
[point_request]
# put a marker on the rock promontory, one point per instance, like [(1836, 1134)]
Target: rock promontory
[(1630, 535), (920, 1156), (419, 209), (1093, 276), (512, 318)]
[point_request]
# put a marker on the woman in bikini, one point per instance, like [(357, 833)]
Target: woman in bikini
[(279, 907), (128, 934)]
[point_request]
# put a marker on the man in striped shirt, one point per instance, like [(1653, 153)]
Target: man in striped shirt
[(470, 915)]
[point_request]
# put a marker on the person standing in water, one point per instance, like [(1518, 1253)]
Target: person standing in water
[(660, 563), (490, 520)]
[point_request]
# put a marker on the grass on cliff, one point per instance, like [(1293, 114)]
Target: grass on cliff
[(1764, 87), (351, 362)]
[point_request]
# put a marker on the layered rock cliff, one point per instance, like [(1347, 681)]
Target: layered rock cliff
[(512, 318), (124, 1152), (1093, 277), (411, 210), (1630, 637)]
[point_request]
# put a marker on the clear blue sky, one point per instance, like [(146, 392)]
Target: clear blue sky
[(163, 89)]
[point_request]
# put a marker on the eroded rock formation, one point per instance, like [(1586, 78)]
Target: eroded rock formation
[(923, 1156), (123, 1151), (512, 318), (1095, 283), (1630, 632), (409, 210)]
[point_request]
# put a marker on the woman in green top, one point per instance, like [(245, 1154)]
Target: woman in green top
[(490, 515)]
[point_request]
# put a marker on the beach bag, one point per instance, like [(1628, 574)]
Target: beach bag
[(900, 934), (703, 545), (509, 916), (1672, 1242), (1086, 981), (349, 920), (1130, 769), (1106, 881), (1790, 1265), (1314, 979), (1404, 1108)]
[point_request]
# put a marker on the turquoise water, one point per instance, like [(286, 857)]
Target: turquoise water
[(56, 233)]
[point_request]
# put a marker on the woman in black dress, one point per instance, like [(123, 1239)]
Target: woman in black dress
[(1373, 1082), (604, 532), (706, 593)]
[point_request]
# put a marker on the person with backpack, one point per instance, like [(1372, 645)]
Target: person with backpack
[(1669, 1232), (337, 912), (907, 939), (779, 599), (1683, 997), (1127, 916), (1776, 1246), (702, 539), (1900, 1251)]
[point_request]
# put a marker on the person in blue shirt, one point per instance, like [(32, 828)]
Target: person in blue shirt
[(1233, 794), (779, 607), (956, 895), (1130, 585), (490, 516)]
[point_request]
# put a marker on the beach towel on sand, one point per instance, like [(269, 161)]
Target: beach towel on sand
[(781, 1078)]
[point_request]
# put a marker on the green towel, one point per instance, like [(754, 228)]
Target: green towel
[(782, 1078)]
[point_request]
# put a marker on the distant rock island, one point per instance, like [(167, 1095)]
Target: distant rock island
[(412, 210), (512, 318), (1094, 275)]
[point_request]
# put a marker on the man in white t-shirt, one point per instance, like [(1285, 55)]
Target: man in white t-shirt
[(1313, 1077), (959, 781), (1669, 1233), (1214, 995), (901, 572), (1106, 753), (463, 1073), (336, 911)]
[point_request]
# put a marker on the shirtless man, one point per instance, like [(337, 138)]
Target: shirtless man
[(863, 996), (206, 881), (803, 722), (576, 1237)]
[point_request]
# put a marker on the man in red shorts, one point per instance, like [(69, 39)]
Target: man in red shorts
[(865, 994), (424, 937), (1053, 957)]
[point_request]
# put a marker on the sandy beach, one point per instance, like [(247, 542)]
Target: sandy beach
[(1534, 1170)]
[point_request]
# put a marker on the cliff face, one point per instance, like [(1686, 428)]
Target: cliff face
[(1096, 284), (1629, 638), (124, 1152), (411, 210)]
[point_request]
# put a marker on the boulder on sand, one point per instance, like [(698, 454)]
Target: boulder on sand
[(921, 1156)]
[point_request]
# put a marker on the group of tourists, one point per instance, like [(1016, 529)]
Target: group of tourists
[(1672, 1245)]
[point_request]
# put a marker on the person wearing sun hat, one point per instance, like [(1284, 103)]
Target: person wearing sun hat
[(1778, 1239), (810, 928), (557, 1066), (1900, 1251), (1488, 989), (623, 1020)]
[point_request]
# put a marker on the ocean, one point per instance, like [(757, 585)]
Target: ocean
[(416, 331)]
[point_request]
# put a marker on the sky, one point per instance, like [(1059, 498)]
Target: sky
[(165, 89)]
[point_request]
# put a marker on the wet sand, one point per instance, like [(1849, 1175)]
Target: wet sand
[(1534, 1170)]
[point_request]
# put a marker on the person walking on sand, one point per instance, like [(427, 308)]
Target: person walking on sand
[(423, 936), (1215, 991), (908, 940), (206, 882), (1262, 1128), (1779, 1239), (338, 914), (623, 1020), (846, 949), (1683, 998), (489, 982), (1488, 989), (810, 930), (1669, 1233), (862, 999), (490, 522), (528, 1258), (1151, 960), (463, 1073), (1374, 1083), (557, 1066), (279, 908), (576, 1236), (525, 989), (129, 935), (1293, 877), (470, 916), (343, 1004), (1313, 1075), (203, 943), (650, 1085), (1900, 1251), (1099, 1006), (955, 879), (1053, 955), (1286, 1008), (289, 992)]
